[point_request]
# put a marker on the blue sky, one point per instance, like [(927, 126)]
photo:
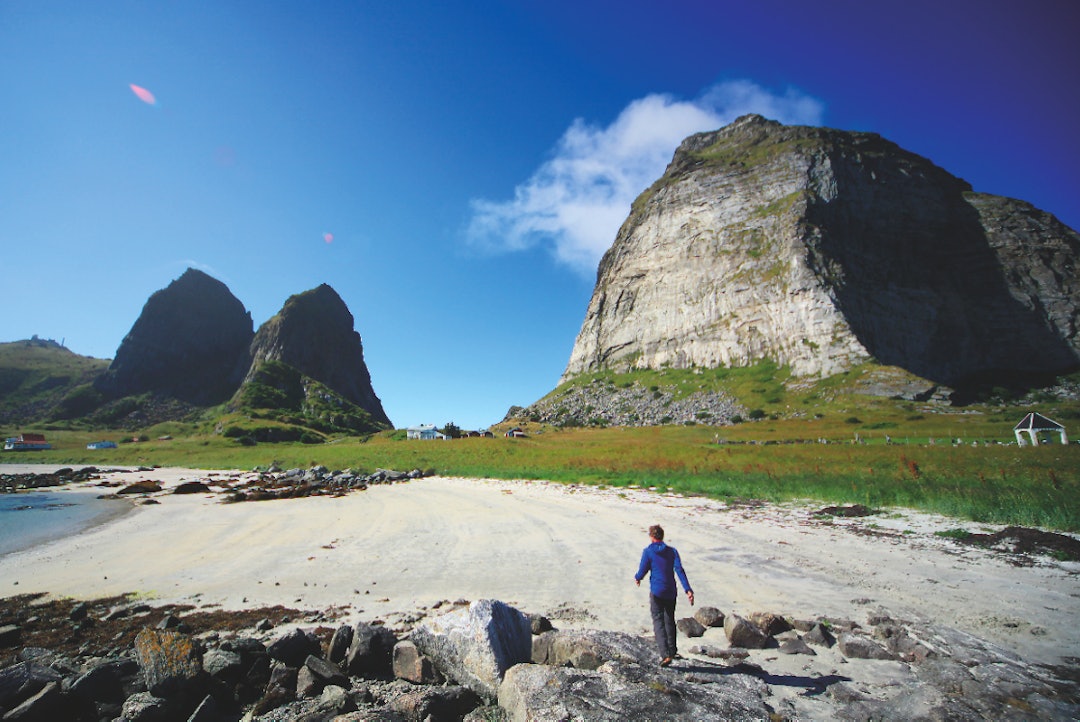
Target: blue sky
[(472, 160)]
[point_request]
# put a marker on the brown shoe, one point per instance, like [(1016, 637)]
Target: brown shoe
[(666, 661)]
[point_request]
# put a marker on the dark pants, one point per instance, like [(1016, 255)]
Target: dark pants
[(663, 624)]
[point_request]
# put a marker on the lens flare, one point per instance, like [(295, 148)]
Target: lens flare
[(143, 94), (328, 237)]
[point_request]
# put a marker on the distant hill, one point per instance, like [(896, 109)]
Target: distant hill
[(41, 379)]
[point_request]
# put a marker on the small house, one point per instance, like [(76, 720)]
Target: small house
[(516, 433), (27, 442), (95, 445), (424, 432)]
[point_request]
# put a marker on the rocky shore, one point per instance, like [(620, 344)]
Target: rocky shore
[(261, 484), (122, 660)]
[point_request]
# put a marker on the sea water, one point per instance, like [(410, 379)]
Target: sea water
[(31, 518)]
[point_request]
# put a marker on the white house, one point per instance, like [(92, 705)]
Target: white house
[(425, 431)]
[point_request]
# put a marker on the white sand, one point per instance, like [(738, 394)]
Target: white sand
[(566, 551)]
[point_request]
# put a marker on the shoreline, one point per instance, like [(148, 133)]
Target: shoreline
[(106, 511), (565, 551)]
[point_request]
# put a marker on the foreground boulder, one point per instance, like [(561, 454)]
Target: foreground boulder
[(476, 645), (618, 691), (170, 662)]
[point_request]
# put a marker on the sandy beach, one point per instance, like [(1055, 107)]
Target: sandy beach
[(568, 552)]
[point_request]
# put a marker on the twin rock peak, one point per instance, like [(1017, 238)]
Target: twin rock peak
[(194, 341)]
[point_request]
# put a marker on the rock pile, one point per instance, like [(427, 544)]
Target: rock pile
[(605, 404), (316, 481), (483, 661), (14, 482), (269, 483)]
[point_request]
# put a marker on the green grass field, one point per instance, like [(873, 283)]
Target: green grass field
[(981, 478)]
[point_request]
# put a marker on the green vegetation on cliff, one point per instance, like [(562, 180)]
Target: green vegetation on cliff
[(279, 392)]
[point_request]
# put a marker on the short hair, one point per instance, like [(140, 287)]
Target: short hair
[(656, 532)]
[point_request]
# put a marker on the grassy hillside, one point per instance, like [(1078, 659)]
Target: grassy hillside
[(41, 379)]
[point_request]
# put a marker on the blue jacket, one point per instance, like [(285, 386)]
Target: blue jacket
[(662, 563)]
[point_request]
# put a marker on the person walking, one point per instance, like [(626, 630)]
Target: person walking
[(662, 563)]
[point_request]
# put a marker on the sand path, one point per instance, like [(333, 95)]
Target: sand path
[(566, 551)]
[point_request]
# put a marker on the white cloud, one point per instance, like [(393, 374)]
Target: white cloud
[(575, 202)]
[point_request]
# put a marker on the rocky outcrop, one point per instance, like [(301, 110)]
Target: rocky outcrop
[(313, 334), (187, 343), (819, 249)]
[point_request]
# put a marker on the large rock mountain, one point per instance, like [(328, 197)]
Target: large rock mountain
[(313, 333), (194, 342), (819, 248), (188, 343)]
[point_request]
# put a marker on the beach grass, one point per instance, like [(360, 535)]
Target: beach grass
[(958, 464)]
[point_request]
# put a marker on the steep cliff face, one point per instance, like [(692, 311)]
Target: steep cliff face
[(313, 334), (819, 249), (187, 344)]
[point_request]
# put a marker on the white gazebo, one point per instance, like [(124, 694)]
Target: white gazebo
[(1032, 424)]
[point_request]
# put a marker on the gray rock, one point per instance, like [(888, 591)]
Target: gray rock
[(741, 633), (48, 703), (539, 693), (856, 646), (709, 617), (412, 666), (324, 672), (709, 650), (371, 651), (38, 655), (335, 700), (690, 627), (10, 635), (476, 645), (795, 645), (23, 680), (293, 647), (539, 623), (769, 623), (436, 703), (101, 684), (307, 684), (223, 665), (144, 707), (820, 635), (338, 649), (79, 612)]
